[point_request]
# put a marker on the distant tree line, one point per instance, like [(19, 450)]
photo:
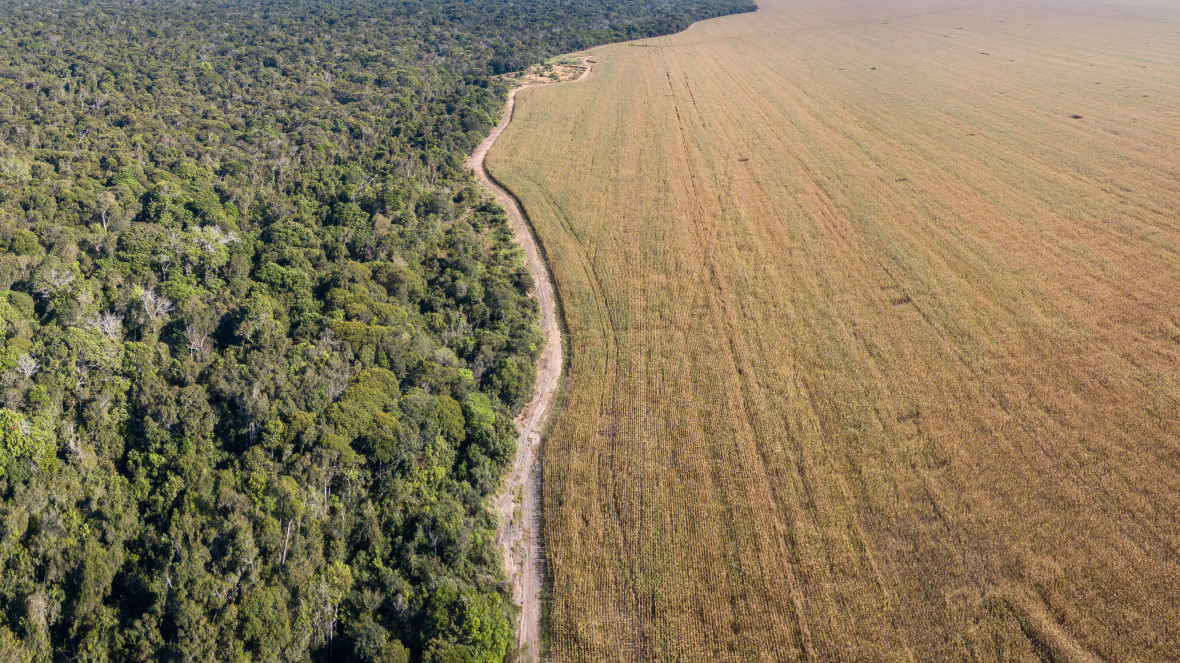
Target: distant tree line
[(263, 339)]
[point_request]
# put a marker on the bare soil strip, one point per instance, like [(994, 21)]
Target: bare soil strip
[(520, 501)]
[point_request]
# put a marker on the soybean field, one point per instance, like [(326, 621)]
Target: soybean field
[(873, 329)]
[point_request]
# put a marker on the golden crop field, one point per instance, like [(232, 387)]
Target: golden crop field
[(873, 310)]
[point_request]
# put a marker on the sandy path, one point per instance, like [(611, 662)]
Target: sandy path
[(518, 537)]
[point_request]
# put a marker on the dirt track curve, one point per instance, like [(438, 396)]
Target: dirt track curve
[(520, 501)]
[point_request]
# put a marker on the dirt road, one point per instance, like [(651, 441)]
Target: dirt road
[(520, 501)]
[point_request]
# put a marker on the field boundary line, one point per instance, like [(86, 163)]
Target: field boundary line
[(518, 536)]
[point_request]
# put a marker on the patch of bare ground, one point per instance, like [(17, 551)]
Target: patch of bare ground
[(542, 74)]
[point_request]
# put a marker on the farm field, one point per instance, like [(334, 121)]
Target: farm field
[(873, 316)]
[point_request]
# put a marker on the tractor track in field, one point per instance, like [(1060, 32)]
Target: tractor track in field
[(519, 503)]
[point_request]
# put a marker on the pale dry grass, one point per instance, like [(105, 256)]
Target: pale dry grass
[(875, 350)]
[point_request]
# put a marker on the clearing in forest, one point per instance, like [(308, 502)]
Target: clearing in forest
[(873, 312)]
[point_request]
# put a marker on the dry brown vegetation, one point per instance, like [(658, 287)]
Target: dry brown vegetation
[(556, 72), (875, 348)]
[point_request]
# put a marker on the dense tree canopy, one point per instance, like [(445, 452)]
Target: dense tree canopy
[(262, 337)]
